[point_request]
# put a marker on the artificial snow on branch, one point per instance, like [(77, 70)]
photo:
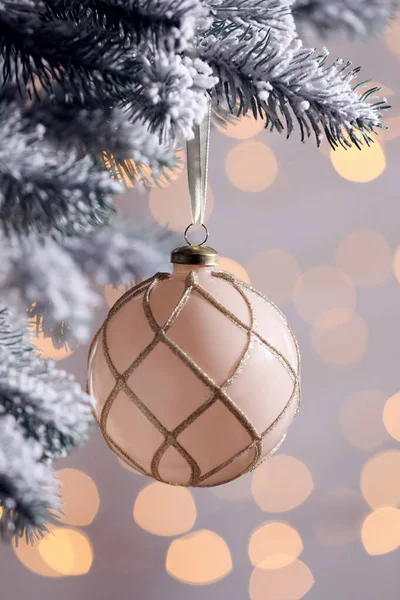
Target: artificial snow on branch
[(43, 414), (170, 93), (26, 484), (293, 86), (273, 16), (101, 130)]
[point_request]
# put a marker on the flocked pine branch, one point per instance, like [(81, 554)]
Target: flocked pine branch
[(85, 61), (273, 16), (42, 188), (119, 254), (172, 23), (358, 18), (32, 397), (170, 93), (27, 485), (295, 85), (103, 132), (40, 278), (43, 415)]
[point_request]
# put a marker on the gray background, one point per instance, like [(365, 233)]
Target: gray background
[(307, 211)]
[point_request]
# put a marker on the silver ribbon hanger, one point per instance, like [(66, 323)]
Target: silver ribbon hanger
[(197, 151)]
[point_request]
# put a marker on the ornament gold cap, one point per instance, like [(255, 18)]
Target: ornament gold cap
[(195, 255)]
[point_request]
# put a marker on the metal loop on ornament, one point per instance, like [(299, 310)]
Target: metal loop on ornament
[(187, 230)]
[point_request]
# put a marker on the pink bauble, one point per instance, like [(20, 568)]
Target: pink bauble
[(195, 377)]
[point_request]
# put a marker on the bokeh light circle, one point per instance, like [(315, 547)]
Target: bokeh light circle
[(337, 516), (292, 582), (343, 346), (80, 497), (274, 545), (165, 510), (29, 555), (228, 264), (324, 297), (46, 349), (281, 483), (361, 419), (361, 166), (170, 206), (251, 166), (379, 482), (242, 128), (391, 416), (274, 272), (380, 533), (366, 257), (199, 558), (67, 551)]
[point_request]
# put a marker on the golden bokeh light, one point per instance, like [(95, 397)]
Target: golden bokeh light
[(391, 416), (238, 490), (227, 264), (360, 166), (251, 166), (46, 349), (170, 206), (396, 263), (366, 257), (337, 517), (380, 533), (199, 558), (380, 483), (343, 346), (79, 495), (113, 293), (274, 545), (292, 582), (129, 175), (274, 272), (165, 510), (392, 37), (361, 419), (242, 128), (66, 551), (324, 297), (281, 483), (30, 557)]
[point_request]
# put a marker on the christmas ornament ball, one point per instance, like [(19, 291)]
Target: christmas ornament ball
[(195, 375)]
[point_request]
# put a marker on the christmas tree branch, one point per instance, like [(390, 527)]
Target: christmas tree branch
[(84, 61), (292, 85)]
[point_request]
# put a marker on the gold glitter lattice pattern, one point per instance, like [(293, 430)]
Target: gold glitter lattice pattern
[(216, 392)]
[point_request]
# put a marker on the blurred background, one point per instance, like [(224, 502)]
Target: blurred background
[(318, 233)]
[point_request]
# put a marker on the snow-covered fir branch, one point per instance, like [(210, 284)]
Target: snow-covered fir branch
[(273, 16), (49, 280), (119, 254), (357, 18), (291, 86), (40, 278), (172, 23), (170, 93), (27, 485), (32, 397), (84, 60), (41, 187)]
